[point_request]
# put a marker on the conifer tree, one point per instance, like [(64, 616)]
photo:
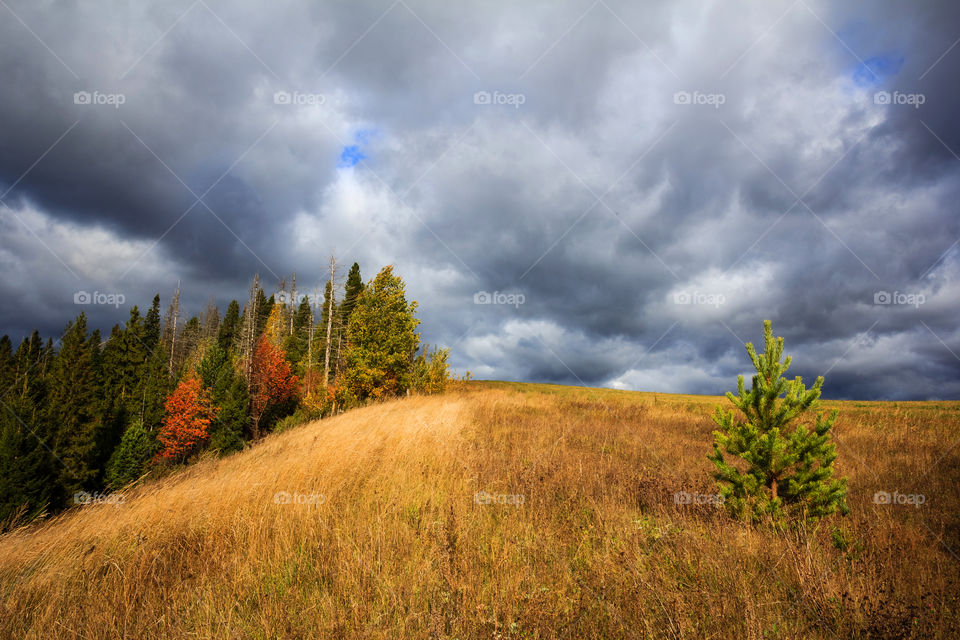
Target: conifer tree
[(264, 309), (788, 462), (209, 325), (382, 339), (230, 327), (295, 344), (130, 459), (71, 407), (131, 351), (153, 383), (29, 473), (109, 410), (112, 400), (188, 347), (6, 364), (228, 392), (352, 289), (151, 325)]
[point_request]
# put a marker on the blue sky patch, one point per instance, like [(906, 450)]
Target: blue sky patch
[(875, 70), (350, 156), (354, 153)]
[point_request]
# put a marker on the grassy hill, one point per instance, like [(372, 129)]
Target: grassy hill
[(577, 534)]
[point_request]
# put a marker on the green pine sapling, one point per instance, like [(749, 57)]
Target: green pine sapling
[(786, 466)]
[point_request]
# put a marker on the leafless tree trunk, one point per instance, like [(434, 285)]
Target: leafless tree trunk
[(326, 359), (249, 336), (291, 310), (173, 313)]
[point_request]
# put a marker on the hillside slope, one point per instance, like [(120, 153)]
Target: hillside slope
[(577, 532)]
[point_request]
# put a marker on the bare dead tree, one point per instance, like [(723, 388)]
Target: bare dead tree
[(173, 314), (249, 333), (333, 289)]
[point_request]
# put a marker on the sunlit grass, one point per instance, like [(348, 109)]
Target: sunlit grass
[(596, 547)]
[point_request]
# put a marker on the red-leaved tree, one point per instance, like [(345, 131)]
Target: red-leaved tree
[(271, 381), (189, 413)]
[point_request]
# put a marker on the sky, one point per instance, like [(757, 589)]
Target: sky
[(600, 192)]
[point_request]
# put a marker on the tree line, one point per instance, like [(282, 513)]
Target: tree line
[(89, 415)]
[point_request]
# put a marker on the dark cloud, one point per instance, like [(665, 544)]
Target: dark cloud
[(654, 179)]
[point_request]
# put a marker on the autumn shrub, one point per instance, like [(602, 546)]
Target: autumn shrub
[(190, 411)]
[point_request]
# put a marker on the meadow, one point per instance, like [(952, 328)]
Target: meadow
[(504, 510)]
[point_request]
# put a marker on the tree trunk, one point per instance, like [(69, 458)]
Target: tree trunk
[(326, 360)]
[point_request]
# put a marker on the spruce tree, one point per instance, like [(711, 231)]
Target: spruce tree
[(155, 387), (30, 368), (264, 309), (109, 411), (229, 428), (186, 354), (151, 325), (130, 458), (153, 383), (131, 351), (112, 403), (295, 344), (787, 462), (71, 409), (227, 337), (7, 366), (29, 472), (351, 290), (228, 391)]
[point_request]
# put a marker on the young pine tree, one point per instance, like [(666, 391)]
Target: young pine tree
[(787, 463), (130, 458)]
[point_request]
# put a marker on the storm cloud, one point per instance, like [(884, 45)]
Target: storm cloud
[(600, 193)]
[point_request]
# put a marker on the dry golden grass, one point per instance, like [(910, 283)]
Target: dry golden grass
[(399, 548)]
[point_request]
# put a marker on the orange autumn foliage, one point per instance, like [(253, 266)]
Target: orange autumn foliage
[(189, 413), (271, 382)]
